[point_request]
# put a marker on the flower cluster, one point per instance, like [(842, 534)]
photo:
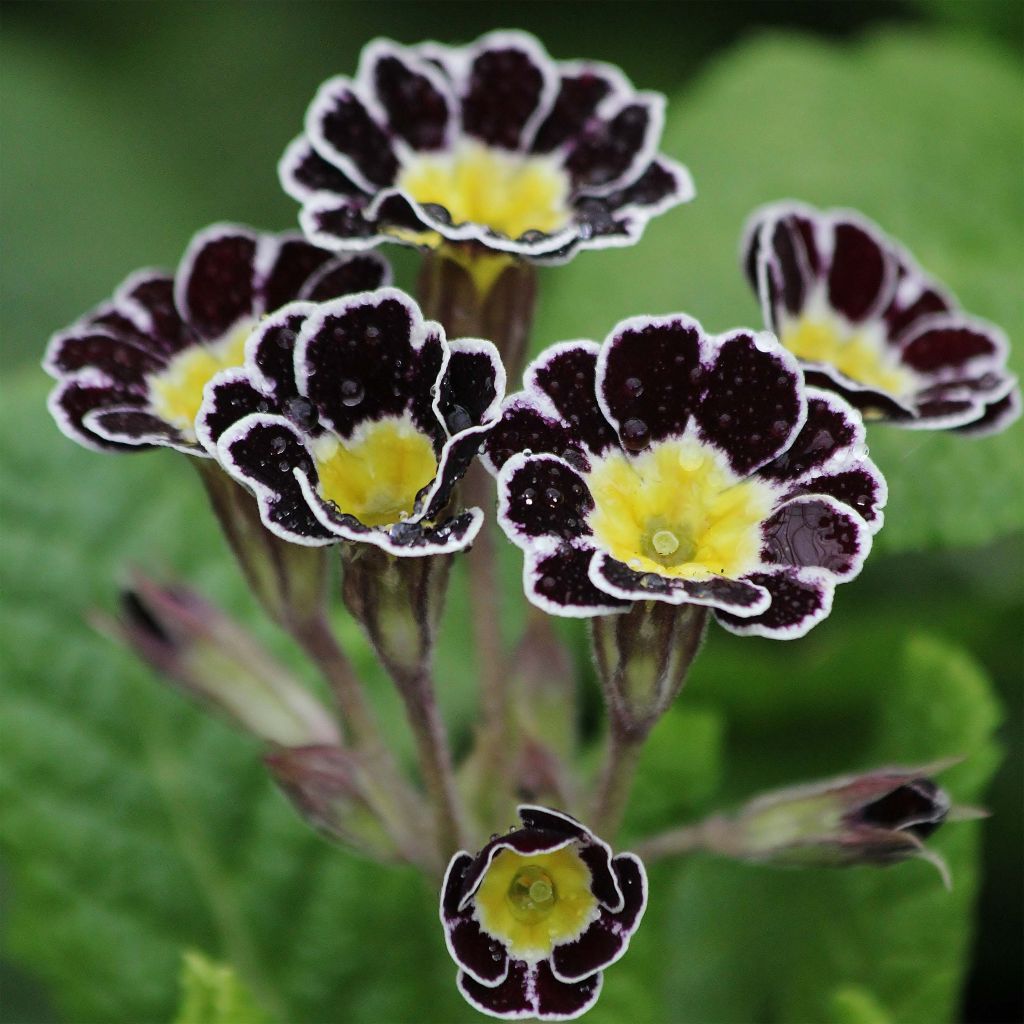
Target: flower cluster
[(493, 144), (672, 465), (131, 373), (649, 479), (353, 420), (867, 322), (534, 918)]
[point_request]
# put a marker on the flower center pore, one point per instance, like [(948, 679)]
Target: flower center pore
[(531, 896), (859, 355), (176, 393), (376, 473), (535, 902), (507, 192), (678, 510)]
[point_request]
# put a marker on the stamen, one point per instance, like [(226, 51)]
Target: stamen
[(531, 895), (665, 542)]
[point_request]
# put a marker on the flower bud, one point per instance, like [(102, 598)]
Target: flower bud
[(324, 784), (205, 654), (877, 818)]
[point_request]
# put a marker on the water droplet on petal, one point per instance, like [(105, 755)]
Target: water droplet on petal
[(634, 387), (636, 435), (352, 393), (278, 445), (553, 496)]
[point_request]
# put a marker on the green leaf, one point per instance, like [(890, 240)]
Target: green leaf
[(922, 135), (212, 994)]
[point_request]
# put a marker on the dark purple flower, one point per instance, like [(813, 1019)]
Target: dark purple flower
[(493, 144), (131, 373), (866, 321), (353, 420), (534, 918), (672, 465)]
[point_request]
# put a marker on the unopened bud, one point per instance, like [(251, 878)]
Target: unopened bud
[(205, 654), (324, 783), (880, 817)]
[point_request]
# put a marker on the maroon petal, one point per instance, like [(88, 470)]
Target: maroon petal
[(801, 598), (229, 397), (484, 959), (648, 377), (753, 400), (523, 427), (662, 184), (830, 431), (997, 416), (331, 220), (609, 149), (816, 532), (294, 261), (344, 133), (547, 818), (862, 488), (74, 398), (532, 991), (346, 275), (411, 92), (580, 91), (264, 452), (862, 274), (508, 85), (915, 296), (566, 375), (118, 360), (619, 580), (472, 386), (556, 578), (271, 353), (543, 496), (214, 283), (953, 343), (130, 425), (152, 292), (302, 172), (607, 938)]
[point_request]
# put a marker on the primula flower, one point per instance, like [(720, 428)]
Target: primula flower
[(132, 371), (672, 465), (534, 918), (353, 420), (867, 322), (493, 143)]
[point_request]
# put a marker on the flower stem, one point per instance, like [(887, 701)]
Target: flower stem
[(643, 657), (704, 835), (388, 792)]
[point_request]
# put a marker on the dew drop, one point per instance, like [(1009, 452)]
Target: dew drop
[(300, 412), (634, 387), (458, 420), (278, 445), (547, 583), (529, 496), (724, 420), (352, 393), (553, 496), (780, 428), (372, 333), (650, 579), (283, 467), (636, 435)]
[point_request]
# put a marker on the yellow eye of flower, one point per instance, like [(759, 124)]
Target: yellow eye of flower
[(678, 510), (376, 474), (857, 354), (177, 392), (533, 903), (510, 193)]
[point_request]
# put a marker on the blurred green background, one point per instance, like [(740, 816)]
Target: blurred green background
[(133, 829)]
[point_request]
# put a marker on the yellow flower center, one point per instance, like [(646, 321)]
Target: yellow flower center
[(510, 193), (678, 510), (533, 903), (176, 393), (858, 354), (376, 474)]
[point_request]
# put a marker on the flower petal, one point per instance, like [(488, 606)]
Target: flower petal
[(915, 296), (862, 275), (551, 820), (619, 580), (292, 261), (507, 87), (345, 134), (582, 87), (997, 416), (229, 397), (816, 531), (330, 220), (556, 578), (612, 150), (647, 377), (482, 958), (532, 991), (369, 356), (346, 275), (270, 351), (266, 452), (542, 496), (412, 93), (830, 435), (118, 360), (607, 938), (214, 284), (863, 488), (75, 397), (800, 598), (566, 375), (129, 425), (524, 427), (753, 402), (302, 172), (953, 343), (152, 292)]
